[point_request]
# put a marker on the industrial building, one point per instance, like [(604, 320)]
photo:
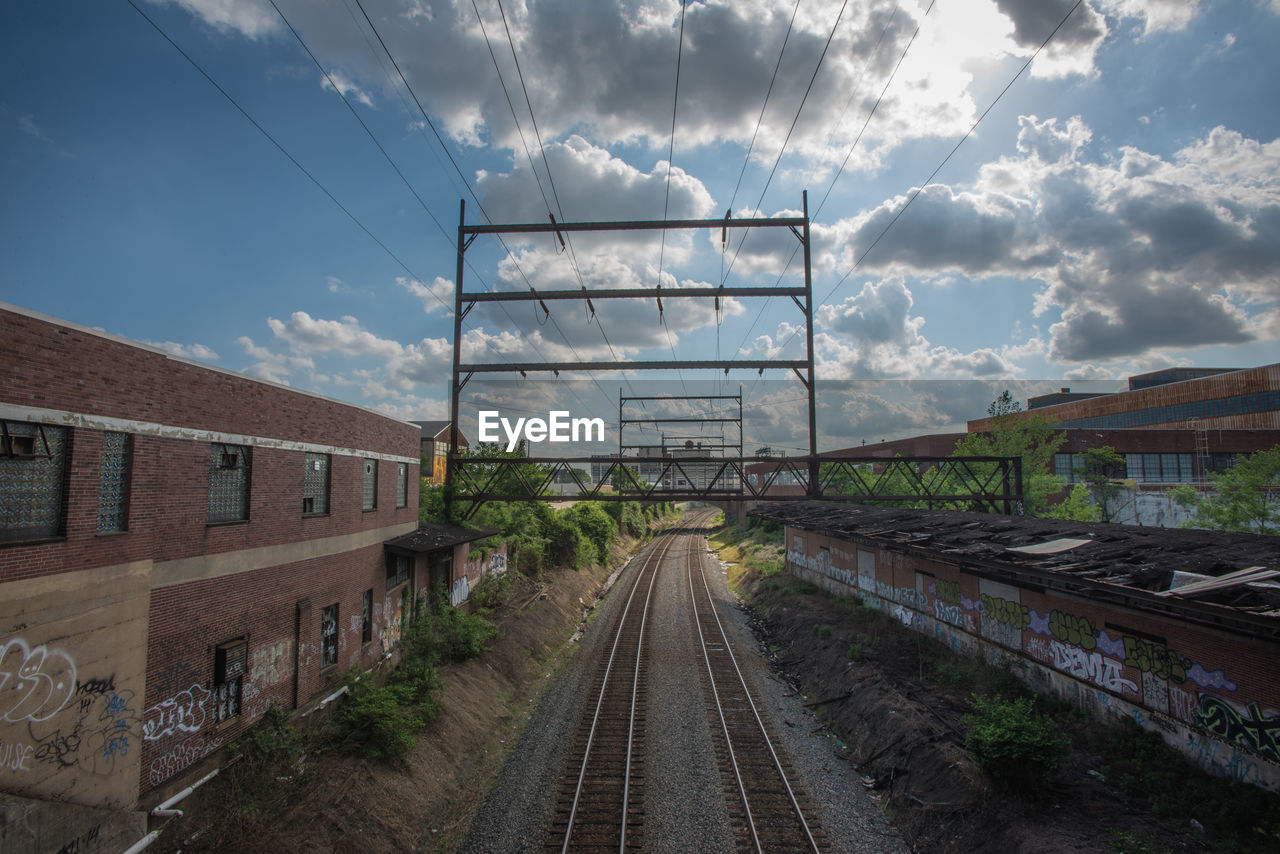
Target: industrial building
[(435, 446), (1176, 630), (182, 547)]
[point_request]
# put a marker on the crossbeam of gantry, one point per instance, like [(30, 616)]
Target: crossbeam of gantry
[(801, 295)]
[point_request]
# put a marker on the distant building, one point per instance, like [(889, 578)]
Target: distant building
[(435, 446), (1186, 398)]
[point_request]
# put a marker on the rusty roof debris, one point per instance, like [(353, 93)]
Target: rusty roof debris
[(1106, 557), (431, 536)]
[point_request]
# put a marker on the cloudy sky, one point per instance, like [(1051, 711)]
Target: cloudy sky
[(275, 189)]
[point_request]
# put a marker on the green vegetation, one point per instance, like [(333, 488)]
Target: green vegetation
[(1246, 497), (823, 631), (757, 547), (1101, 466), (1240, 817), (1011, 743), (1077, 506), (1029, 438), (382, 721), (857, 650)]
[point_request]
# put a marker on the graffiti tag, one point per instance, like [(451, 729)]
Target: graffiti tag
[(185, 711), (1248, 727), (35, 683), (1091, 666)]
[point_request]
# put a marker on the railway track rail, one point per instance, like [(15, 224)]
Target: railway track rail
[(600, 806), (767, 808)]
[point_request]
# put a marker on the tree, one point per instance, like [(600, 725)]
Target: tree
[(1076, 507), (1101, 465), (1027, 437), (1246, 496)]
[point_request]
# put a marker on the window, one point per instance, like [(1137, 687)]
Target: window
[(402, 484), (113, 488), (228, 483), (33, 476), (442, 449), (329, 636), (397, 569), (370, 484), (315, 485), (230, 663), (366, 617)]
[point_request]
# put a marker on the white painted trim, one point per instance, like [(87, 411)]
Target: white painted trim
[(88, 330), (40, 415)]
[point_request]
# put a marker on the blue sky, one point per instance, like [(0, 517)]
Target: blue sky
[(1117, 211)]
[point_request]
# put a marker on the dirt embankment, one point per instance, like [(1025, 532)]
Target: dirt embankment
[(897, 699), (330, 802)]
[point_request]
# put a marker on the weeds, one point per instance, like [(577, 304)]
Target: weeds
[(822, 631), (1010, 742)]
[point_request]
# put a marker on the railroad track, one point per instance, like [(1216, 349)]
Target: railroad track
[(767, 809), (601, 800)]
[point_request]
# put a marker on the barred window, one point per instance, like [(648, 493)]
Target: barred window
[(315, 485), (397, 569), (230, 663), (113, 488), (402, 484), (33, 478), (370, 484), (228, 482)]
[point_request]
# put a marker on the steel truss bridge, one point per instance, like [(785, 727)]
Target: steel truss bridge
[(987, 483)]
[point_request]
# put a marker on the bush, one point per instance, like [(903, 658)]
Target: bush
[(856, 652), (823, 631), (273, 738), (1010, 742), (589, 518), (376, 722)]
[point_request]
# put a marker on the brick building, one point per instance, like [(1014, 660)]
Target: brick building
[(180, 548), (1177, 630)]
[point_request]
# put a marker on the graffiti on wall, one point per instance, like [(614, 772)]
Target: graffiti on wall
[(1248, 726), (497, 563), (35, 682), (69, 723), (179, 756), (183, 712)]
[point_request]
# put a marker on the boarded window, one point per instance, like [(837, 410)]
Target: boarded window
[(370, 484), (366, 617), (113, 487), (329, 636), (230, 663), (315, 485), (228, 482), (402, 484), (33, 469)]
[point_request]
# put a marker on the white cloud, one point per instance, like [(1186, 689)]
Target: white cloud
[(1136, 252), (254, 19), (306, 334), (438, 296), (187, 351)]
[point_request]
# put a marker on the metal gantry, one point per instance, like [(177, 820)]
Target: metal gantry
[(993, 483), (464, 302)]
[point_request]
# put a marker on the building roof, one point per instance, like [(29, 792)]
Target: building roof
[(440, 430), (432, 536), (1108, 560)]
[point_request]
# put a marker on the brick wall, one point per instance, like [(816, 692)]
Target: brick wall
[(1210, 692), (196, 585)]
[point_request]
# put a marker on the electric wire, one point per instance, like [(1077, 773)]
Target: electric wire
[(280, 147), (916, 192), (666, 199), (470, 189), (787, 139)]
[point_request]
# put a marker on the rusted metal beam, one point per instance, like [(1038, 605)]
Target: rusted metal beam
[(634, 225), (632, 293)]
